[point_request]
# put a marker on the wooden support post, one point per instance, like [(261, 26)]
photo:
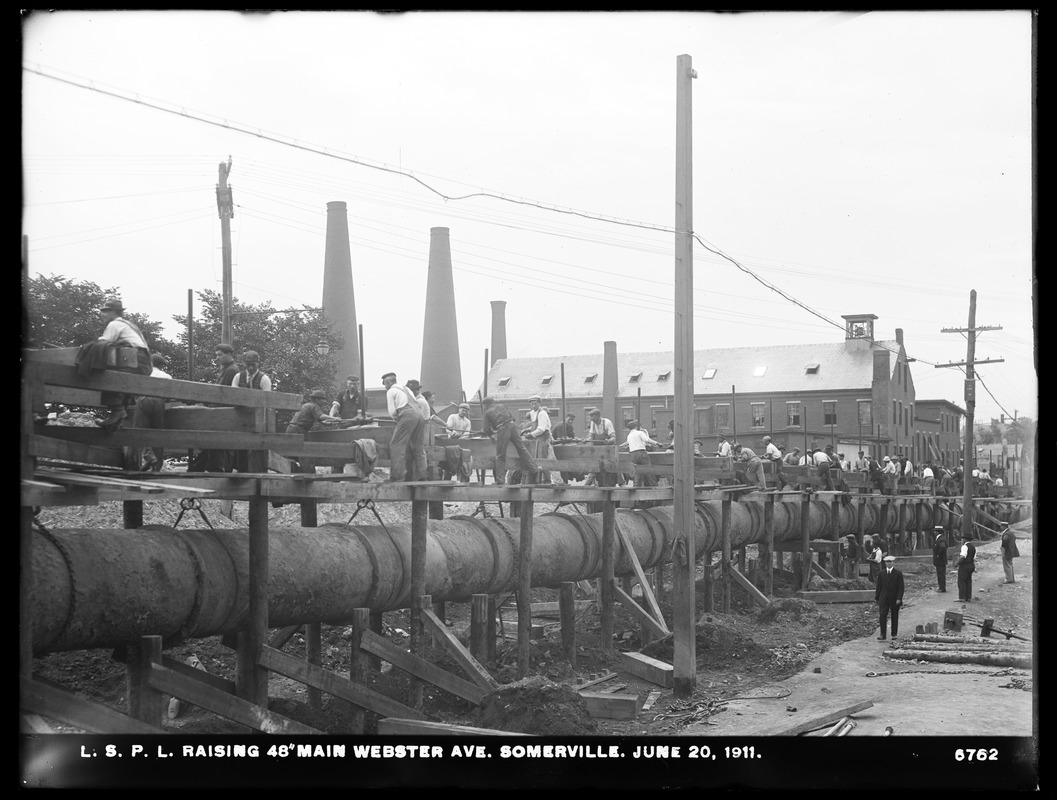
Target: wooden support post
[(144, 702), (567, 612), (767, 546), (724, 532), (314, 655), (524, 587), (252, 680), (834, 515), (313, 630), (919, 513), (419, 517), (901, 536), (805, 542), (132, 514), (376, 625), (490, 631), (608, 565), (882, 522), (359, 663), (479, 627), (860, 523), (436, 507)]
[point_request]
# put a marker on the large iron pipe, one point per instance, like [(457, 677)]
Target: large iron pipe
[(104, 588)]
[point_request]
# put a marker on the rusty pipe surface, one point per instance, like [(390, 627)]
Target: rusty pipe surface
[(105, 588)]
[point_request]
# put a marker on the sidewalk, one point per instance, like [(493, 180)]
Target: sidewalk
[(913, 704)]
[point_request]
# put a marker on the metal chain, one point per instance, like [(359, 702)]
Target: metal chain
[(999, 674)]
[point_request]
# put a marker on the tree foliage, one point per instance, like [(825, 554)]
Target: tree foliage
[(64, 312), (285, 341)]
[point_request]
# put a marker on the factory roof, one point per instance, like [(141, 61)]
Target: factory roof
[(776, 368)]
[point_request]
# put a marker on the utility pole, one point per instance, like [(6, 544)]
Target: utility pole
[(684, 566), (226, 210), (970, 406)]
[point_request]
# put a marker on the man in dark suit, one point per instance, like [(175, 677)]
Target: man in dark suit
[(939, 557), (889, 596)]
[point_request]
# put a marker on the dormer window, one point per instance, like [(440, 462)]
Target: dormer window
[(759, 372), (504, 381), (635, 378), (710, 373), (664, 376), (546, 380), (811, 369), (591, 378)]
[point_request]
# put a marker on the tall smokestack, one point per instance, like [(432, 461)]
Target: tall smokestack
[(498, 330), (440, 335), (339, 302)]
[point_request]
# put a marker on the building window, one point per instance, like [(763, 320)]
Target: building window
[(759, 372), (546, 380), (635, 378), (758, 419), (664, 376), (504, 381), (811, 369), (590, 378), (792, 415), (722, 417), (628, 412), (895, 413), (710, 374), (829, 412), (865, 414)]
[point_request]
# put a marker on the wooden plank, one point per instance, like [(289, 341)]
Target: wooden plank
[(319, 678), (48, 488), (847, 596), (470, 665), (820, 571), (193, 690), (34, 724), (815, 721), (650, 700), (647, 592), (637, 611), (750, 587), (601, 705), (593, 681), (208, 678), (174, 389), (69, 396), (536, 631), (76, 479), (44, 446), (39, 698), (412, 727), (420, 668), (817, 545), (649, 669), (553, 609), (282, 636)]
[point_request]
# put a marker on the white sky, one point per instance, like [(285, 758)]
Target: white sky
[(864, 163)]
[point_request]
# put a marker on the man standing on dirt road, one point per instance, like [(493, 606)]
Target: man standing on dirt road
[(889, 596), (1009, 552), (939, 557), (966, 568)]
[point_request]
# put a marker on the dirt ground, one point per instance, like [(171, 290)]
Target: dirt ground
[(758, 669)]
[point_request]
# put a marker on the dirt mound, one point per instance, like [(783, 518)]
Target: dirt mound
[(841, 584), (720, 642), (791, 607), (537, 706)]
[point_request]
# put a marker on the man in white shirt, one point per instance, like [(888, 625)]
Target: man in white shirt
[(601, 431), (459, 423), (862, 463), (409, 436), (823, 462), (251, 376), (723, 448), (150, 413), (119, 333), (540, 433), (638, 441), (928, 477)]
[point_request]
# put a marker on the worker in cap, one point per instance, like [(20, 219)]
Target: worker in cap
[(567, 429), (599, 431), (459, 424), (850, 549), (348, 404), (132, 355), (939, 558), (723, 448), (639, 443), (310, 413), (538, 431), (499, 423), (889, 597), (251, 376)]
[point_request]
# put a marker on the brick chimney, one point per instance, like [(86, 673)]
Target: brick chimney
[(498, 351), (441, 372), (339, 301)]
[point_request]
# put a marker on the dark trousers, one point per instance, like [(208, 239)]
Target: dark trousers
[(150, 413), (507, 434), (941, 575), (827, 479), (885, 609), (143, 367), (642, 458), (408, 444), (965, 581)]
